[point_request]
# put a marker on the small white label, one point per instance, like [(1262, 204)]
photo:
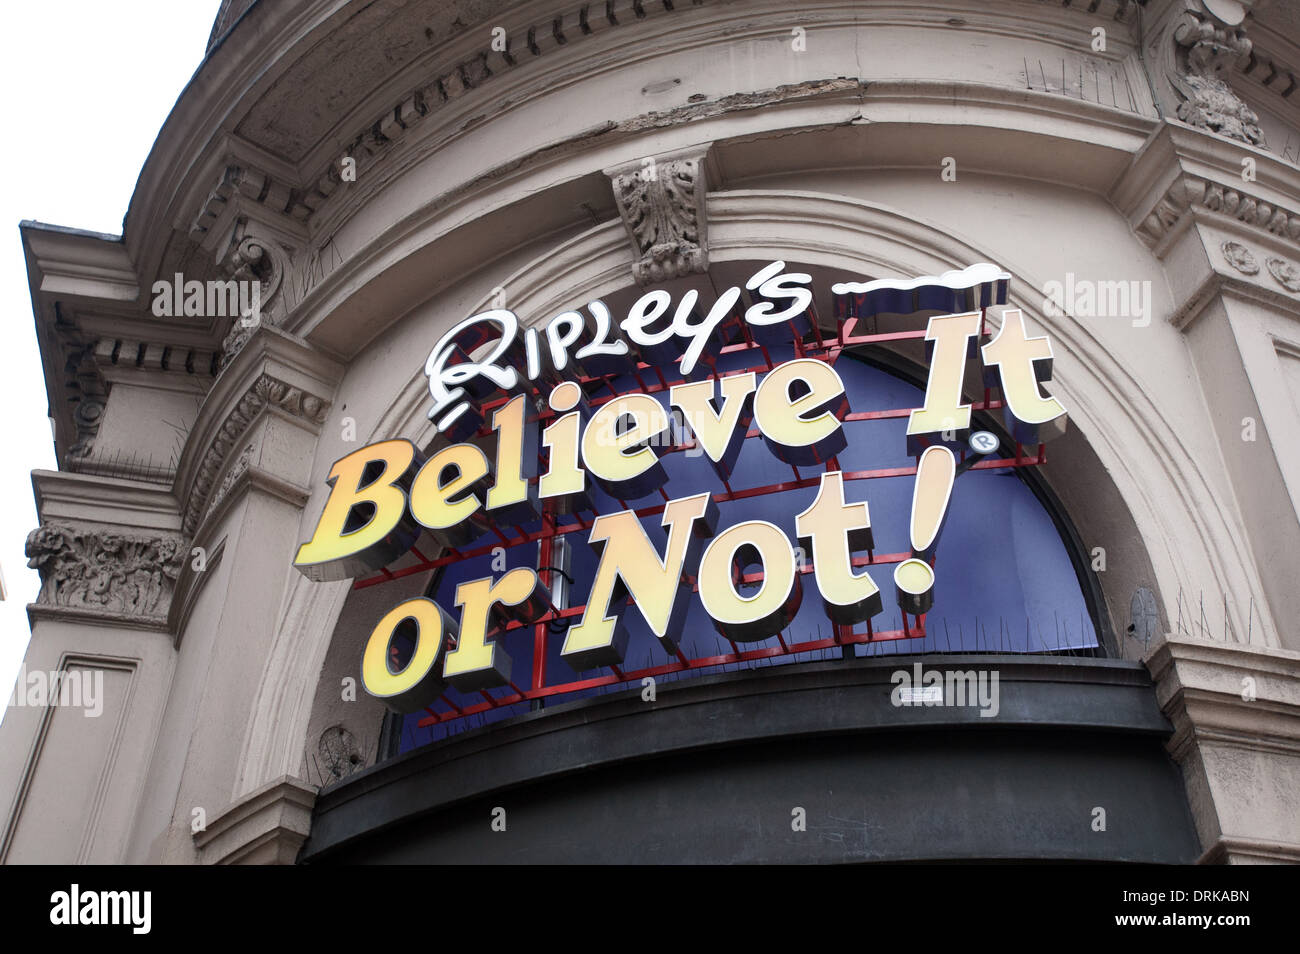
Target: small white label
[(922, 695)]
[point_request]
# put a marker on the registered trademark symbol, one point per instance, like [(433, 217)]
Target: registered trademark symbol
[(983, 442)]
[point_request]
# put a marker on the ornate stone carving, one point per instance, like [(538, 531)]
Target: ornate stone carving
[(118, 574), (254, 258), (1285, 273), (661, 200), (252, 224), (237, 470), (257, 259), (87, 416), (86, 388), (1214, 106), (1193, 192), (1239, 257), (1210, 40), (454, 78), (265, 392)]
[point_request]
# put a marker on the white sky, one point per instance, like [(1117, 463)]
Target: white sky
[(87, 86)]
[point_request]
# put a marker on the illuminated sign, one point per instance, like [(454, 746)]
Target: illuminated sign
[(541, 452)]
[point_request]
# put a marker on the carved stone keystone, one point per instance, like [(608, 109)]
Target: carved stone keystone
[(662, 202)]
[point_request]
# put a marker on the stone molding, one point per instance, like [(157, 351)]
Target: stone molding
[(1193, 193), (336, 299), (96, 561), (94, 331), (265, 827), (254, 186), (1273, 74), (233, 473), (1219, 283), (274, 372), (524, 44), (265, 392), (464, 70), (1182, 175), (1236, 716)]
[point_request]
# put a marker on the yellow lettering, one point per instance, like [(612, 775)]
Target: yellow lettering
[(769, 609), (948, 341), (417, 684), (832, 531), (364, 525), (802, 428), (630, 565), (1018, 363)]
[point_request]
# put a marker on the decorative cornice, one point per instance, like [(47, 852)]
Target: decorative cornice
[(254, 186), (346, 295), (94, 364), (661, 200), (1271, 73), (1272, 70), (126, 575), (97, 365), (1189, 193), (1182, 174), (94, 328), (66, 496), (518, 45), (1118, 10)]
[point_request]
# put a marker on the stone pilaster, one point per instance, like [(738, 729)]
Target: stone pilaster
[(1236, 716)]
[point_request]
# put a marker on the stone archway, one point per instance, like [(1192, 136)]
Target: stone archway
[(1171, 532)]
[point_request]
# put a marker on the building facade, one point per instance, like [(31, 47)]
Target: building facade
[(342, 183)]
